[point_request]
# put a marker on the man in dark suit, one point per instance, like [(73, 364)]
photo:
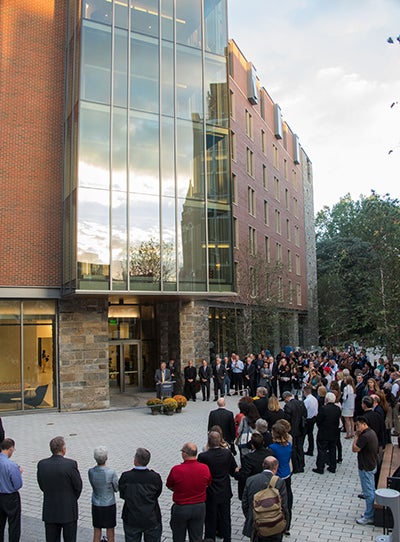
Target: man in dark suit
[(255, 484), (205, 374), (224, 418), (252, 463), (61, 483), (262, 402), (296, 414), (222, 465), (140, 489), (219, 374), (162, 375), (328, 420)]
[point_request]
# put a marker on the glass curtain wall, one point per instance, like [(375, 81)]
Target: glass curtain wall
[(147, 147), (27, 356)]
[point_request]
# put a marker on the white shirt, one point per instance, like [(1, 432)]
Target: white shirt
[(311, 404)]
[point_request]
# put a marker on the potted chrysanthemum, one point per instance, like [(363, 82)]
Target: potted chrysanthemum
[(169, 406), (182, 402), (155, 405)]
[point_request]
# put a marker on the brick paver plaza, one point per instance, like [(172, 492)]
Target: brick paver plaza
[(325, 507)]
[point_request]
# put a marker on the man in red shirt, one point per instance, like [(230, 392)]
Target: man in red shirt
[(188, 481)]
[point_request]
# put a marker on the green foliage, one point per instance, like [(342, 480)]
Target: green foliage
[(359, 271)]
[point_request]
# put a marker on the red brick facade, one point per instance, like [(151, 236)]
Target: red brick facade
[(271, 166), (31, 150)]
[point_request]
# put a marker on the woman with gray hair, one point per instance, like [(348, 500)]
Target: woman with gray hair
[(104, 482)]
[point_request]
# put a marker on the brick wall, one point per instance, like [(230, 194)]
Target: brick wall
[(31, 112)]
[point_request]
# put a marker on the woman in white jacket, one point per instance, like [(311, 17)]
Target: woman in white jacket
[(348, 406)]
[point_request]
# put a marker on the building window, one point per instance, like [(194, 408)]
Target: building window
[(275, 154), (251, 201), (296, 207), (230, 61), (279, 253), (233, 146), (289, 260), (267, 250), (296, 236), (263, 142), (266, 213), (235, 233), (252, 241), (232, 104), (280, 290), (290, 292), (278, 221), (298, 270), (250, 162), (265, 177), (236, 275), (285, 169), (287, 199), (253, 282), (277, 189), (298, 293), (294, 175), (28, 354), (288, 229), (249, 125), (234, 189)]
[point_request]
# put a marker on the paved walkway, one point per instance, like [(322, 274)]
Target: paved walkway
[(325, 507)]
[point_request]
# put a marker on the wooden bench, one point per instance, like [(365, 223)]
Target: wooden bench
[(390, 462)]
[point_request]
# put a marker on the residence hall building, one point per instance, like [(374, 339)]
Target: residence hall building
[(116, 207), (273, 219)]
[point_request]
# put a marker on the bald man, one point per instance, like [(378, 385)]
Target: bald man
[(188, 481)]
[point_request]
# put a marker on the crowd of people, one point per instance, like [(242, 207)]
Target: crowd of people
[(281, 400)]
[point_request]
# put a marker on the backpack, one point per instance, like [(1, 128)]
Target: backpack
[(268, 516)]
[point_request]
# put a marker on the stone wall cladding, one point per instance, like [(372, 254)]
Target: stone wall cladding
[(83, 354), (194, 332)]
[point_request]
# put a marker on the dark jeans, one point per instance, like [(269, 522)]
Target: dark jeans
[(218, 519), (190, 518), (53, 531), (10, 509), (310, 434), (134, 534), (326, 454)]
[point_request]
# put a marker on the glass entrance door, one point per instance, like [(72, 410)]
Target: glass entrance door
[(125, 367)]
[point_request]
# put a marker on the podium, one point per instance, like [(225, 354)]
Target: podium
[(166, 388), (389, 498)]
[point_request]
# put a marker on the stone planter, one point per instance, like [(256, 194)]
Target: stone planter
[(155, 409), (178, 410), (168, 412)]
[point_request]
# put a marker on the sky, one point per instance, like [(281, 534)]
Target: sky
[(328, 65)]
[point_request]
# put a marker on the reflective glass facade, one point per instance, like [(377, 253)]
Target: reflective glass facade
[(147, 178), (27, 355)]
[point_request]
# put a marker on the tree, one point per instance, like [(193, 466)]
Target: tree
[(146, 257), (359, 270)]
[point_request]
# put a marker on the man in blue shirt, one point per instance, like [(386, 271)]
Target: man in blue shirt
[(10, 483)]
